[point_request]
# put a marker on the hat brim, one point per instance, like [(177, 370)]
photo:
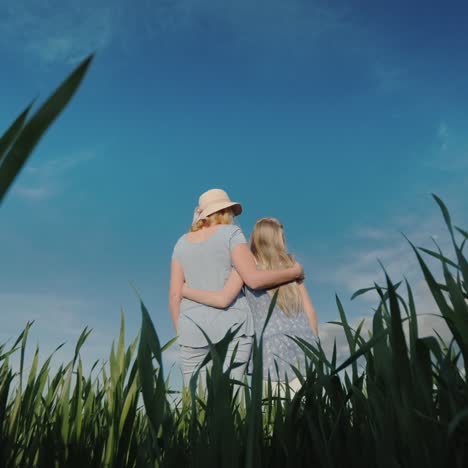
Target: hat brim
[(236, 208)]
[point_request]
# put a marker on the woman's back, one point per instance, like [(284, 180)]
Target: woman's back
[(206, 264)]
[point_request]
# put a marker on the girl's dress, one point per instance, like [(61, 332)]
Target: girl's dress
[(277, 346)]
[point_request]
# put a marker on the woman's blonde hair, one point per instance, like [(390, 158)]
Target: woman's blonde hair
[(268, 245), (220, 217)]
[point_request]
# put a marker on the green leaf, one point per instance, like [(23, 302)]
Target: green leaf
[(423, 366), (121, 344), (152, 386), (360, 292), (81, 340), (361, 351), (413, 320), (65, 407), (169, 344), (457, 420), (445, 213), (438, 256), (32, 131), (402, 374), (462, 262), (349, 336), (462, 232), (10, 135)]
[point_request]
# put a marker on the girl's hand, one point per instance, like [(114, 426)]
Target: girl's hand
[(313, 325)]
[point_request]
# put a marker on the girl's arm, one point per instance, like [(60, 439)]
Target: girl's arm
[(245, 264), (175, 291), (220, 299), (309, 308)]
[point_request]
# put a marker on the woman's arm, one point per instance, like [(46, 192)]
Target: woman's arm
[(175, 291), (246, 266), (309, 308), (219, 299)]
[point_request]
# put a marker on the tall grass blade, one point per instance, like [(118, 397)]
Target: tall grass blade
[(8, 138), (32, 131)]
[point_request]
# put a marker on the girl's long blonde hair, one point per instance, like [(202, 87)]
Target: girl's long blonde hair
[(220, 217), (268, 245)]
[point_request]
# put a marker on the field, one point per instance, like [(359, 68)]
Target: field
[(398, 400)]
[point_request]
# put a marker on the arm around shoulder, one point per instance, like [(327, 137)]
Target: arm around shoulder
[(220, 299), (246, 266)]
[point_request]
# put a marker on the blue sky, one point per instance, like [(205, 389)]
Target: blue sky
[(339, 118)]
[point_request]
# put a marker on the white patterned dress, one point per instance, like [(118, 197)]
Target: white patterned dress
[(277, 346)]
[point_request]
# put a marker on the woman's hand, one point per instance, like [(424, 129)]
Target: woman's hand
[(299, 269)]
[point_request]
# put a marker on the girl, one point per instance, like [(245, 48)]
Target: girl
[(294, 314), (203, 259)]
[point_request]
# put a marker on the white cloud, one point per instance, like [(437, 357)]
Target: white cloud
[(47, 179), (450, 154), (34, 193), (58, 31), (57, 320), (276, 25), (359, 268), (61, 31), (371, 233), (61, 165)]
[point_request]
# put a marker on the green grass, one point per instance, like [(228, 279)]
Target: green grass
[(397, 400)]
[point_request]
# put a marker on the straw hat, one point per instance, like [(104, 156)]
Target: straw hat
[(212, 201)]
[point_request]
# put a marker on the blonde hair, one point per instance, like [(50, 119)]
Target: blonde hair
[(225, 216), (268, 246)]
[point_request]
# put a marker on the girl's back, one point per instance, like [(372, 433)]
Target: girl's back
[(277, 346)]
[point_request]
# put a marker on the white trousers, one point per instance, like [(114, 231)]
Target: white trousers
[(191, 358)]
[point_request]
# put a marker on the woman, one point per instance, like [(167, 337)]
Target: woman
[(294, 314), (203, 259)]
